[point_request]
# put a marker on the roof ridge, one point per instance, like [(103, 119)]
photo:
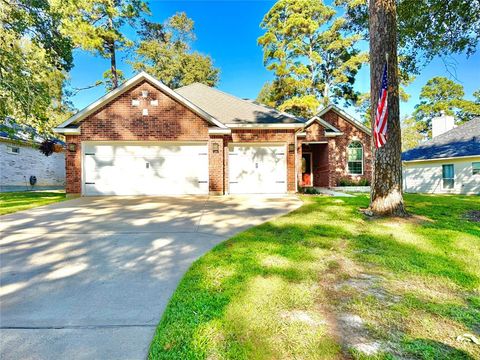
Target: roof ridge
[(457, 129), (254, 103)]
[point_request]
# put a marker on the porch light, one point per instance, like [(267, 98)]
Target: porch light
[(215, 147), (72, 147), (291, 148)]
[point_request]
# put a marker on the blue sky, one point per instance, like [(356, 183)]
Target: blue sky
[(228, 31)]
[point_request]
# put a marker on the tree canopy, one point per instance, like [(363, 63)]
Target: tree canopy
[(97, 26), (314, 60), (165, 52), (442, 95), (34, 59), (411, 133), (426, 28)]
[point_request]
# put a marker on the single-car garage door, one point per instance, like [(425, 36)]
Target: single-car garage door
[(257, 169), (139, 169)]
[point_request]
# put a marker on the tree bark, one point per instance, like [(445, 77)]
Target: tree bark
[(386, 196), (113, 64), (113, 59)]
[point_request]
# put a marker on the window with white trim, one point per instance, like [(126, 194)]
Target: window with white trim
[(355, 158), (13, 150), (448, 176), (476, 168)]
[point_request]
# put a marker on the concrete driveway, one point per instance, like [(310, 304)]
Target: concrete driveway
[(89, 278)]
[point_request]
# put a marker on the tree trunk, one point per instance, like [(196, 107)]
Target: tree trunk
[(113, 64), (386, 196), (113, 59)]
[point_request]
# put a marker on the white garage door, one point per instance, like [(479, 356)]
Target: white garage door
[(131, 169), (257, 169)]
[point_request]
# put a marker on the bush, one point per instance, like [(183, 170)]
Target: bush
[(48, 147), (351, 182), (308, 190)]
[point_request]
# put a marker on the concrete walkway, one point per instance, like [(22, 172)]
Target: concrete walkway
[(330, 192), (89, 278)]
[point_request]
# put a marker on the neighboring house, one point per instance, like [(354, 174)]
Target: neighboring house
[(449, 163), (20, 159), (144, 138)]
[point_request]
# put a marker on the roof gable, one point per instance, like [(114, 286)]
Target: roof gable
[(324, 123), (66, 127), (345, 116)]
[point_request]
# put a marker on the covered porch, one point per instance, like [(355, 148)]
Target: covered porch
[(314, 164)]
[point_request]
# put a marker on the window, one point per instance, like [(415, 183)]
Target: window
[(13, 150), (448, 176), (355, 158), (475, 168)]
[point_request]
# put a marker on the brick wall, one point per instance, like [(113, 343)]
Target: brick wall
[(120, 121), (216, 165), (337, 147), (169, 121)]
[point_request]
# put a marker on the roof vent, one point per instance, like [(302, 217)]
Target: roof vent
[(441, 124)]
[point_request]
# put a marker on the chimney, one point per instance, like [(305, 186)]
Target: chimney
[(441, 124)]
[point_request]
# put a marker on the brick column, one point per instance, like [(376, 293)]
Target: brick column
[(215, 165), (291, 163), (73, 166)]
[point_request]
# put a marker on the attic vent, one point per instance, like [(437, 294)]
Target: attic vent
[(144, 93), (145, 112), (135, 102), (154, 102)]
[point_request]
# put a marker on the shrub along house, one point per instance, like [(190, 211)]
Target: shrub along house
[(144, 138)]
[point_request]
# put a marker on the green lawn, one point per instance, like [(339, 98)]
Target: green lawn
[(15, 201), (324, 282)]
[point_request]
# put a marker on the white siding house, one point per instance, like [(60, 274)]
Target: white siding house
[(21, 159), (428, 176), (447, 164)]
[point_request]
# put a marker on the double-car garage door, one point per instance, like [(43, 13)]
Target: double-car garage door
[(178, 168), (135, 169)]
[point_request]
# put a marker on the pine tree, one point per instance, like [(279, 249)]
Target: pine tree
[(386, 189), (96, 26), (165, 52), (313, 59)]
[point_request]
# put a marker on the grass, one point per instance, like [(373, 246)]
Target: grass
[(11, 202), (277, 291)]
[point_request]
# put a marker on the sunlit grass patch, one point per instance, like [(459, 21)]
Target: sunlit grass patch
[(277, 291), (11, 202), (277, 317)]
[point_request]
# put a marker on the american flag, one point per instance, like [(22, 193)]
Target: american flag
[(380, 128)]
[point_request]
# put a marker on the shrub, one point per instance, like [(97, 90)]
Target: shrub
[(308, 190), (351, 182)]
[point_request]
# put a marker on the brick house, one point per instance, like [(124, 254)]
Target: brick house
[(144, 138)]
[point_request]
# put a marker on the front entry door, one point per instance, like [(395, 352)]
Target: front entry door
[(307, 177)]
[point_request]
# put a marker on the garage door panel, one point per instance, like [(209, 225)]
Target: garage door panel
[(257, 169), (145, 170)]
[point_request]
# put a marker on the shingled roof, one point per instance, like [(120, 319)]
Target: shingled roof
[(463, 140), (232, 110)]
